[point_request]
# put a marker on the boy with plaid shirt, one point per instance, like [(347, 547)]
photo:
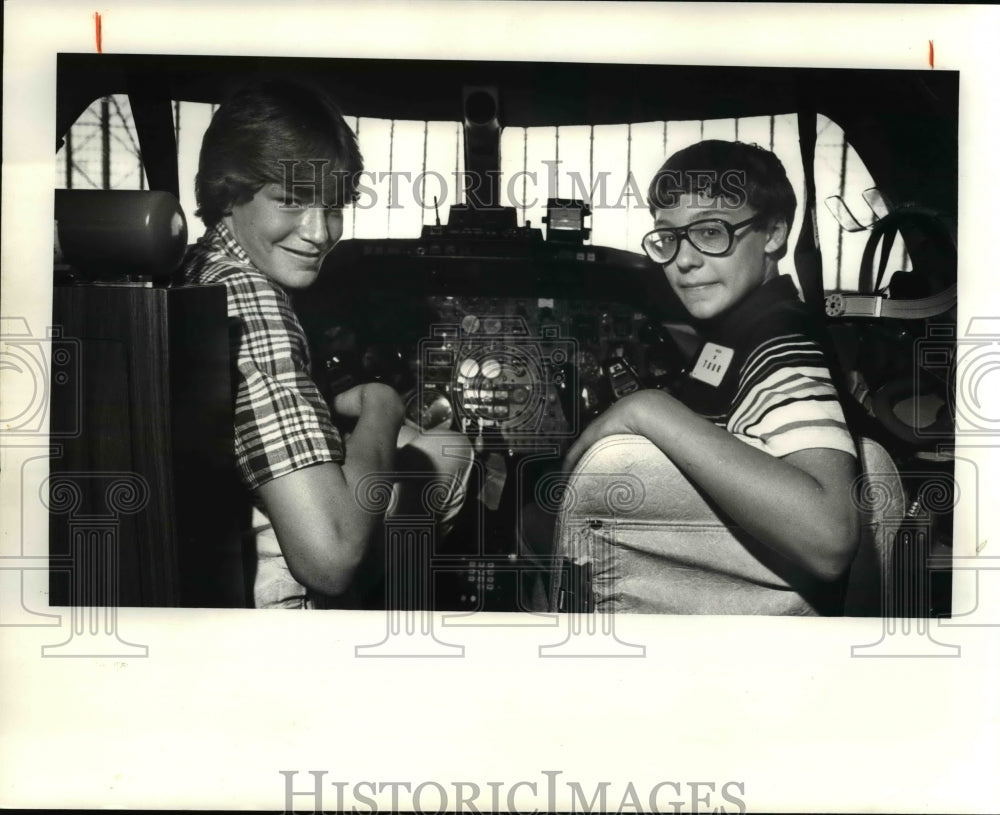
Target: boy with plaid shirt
[(267, 235)]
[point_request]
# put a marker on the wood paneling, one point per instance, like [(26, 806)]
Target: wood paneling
[(154, 455)]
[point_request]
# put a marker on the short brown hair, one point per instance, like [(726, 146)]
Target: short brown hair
[(262, 128), (726, 168)]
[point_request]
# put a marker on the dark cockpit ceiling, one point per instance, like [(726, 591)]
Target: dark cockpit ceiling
[(904, 124)]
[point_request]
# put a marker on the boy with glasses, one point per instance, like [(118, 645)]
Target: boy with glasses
[(756, 425)]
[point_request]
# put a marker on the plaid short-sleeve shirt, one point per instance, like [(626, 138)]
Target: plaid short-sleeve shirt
[(282, 423)]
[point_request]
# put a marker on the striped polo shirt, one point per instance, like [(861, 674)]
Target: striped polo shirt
[(762, 374)]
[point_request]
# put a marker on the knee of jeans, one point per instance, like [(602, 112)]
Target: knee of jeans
[(274, 586), (449, 452), (461, 453)]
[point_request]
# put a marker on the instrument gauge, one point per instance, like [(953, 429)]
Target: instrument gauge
[(492, 368), (468, 368)]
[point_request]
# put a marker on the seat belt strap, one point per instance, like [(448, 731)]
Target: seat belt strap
[(846, 305), (808, 258)]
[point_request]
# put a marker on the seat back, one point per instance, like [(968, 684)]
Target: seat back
[(652, 542), (882, 500)]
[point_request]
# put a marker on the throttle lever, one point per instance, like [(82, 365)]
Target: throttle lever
[(621, 376), (666, 360)]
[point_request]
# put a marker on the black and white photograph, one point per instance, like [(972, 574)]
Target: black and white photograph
[(504, 356), (630, 396)]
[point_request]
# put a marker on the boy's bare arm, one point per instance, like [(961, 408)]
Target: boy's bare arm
[(799, 505), (322, 529)]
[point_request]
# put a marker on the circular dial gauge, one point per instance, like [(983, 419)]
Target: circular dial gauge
[(502, 384)]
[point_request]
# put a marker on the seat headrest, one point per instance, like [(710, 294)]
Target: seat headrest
[(108, 234)]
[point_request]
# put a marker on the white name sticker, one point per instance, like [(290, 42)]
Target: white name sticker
[(712, 364)]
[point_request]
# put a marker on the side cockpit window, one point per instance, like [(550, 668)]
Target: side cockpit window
[(848, 203), (101, 151)]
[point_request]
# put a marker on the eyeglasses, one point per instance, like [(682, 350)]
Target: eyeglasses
[(710, 237)]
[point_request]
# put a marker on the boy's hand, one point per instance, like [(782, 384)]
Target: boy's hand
[(628, 415), (372, 397)]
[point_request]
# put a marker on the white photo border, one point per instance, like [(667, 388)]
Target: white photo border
[(227, 700)]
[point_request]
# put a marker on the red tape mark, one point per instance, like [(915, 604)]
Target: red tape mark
[(97, 30), (930, 52)]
